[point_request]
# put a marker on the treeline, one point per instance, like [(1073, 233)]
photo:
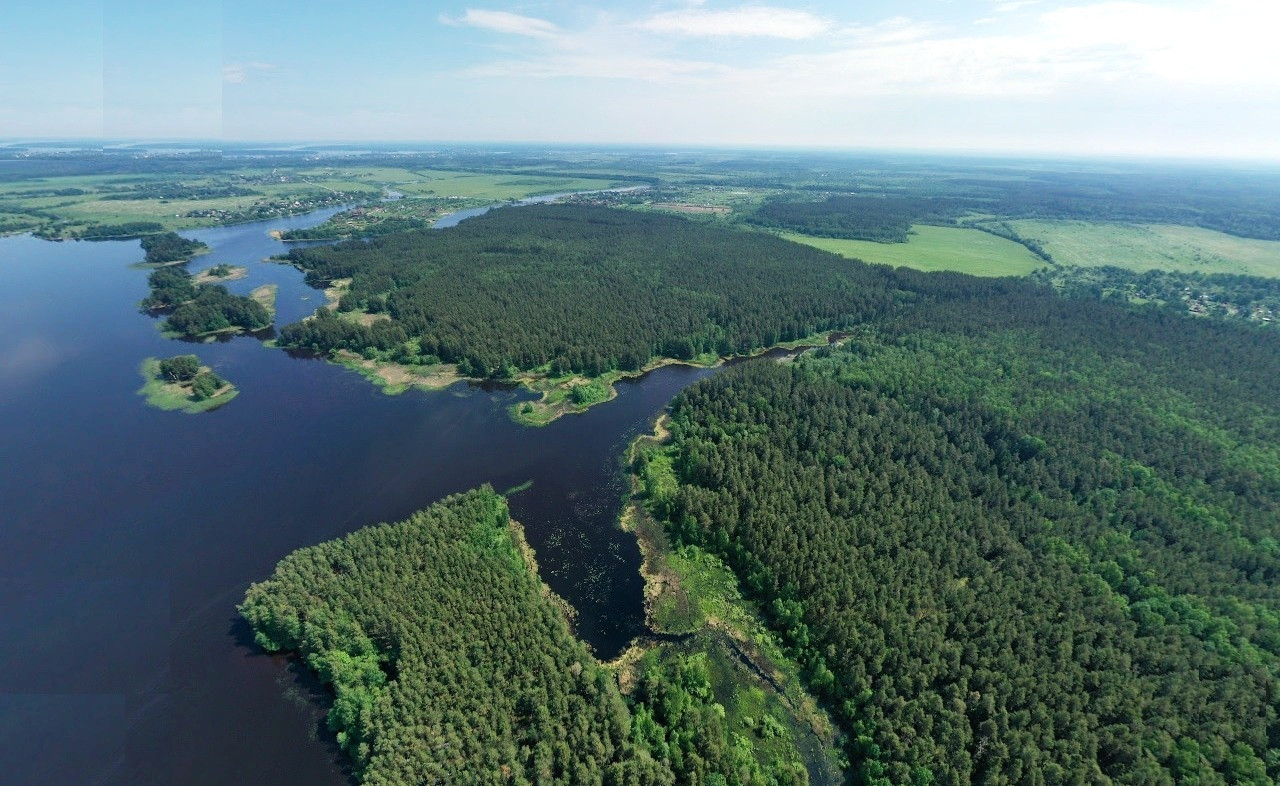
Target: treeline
[(883, 219), (1220, 295), (451, 663), (336, 230), (1238, 204), (1005, 230), (179, 191), (583, 289), (167, 247), (129, 230), (201, 309), (1012, 538)]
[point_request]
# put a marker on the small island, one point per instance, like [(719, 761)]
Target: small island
[(170, 248), (199, 310), (181, 383)]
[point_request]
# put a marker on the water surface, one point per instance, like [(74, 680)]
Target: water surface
[(127, 534)]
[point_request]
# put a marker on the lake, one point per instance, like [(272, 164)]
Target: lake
[(128, 534)]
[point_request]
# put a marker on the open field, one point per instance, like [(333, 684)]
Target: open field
[(1141, 247), (495, 187), (65, 205), (936, 248)]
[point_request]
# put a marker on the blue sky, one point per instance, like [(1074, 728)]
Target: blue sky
[(1148, 77)]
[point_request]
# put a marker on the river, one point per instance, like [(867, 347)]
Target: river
[(128, 534)]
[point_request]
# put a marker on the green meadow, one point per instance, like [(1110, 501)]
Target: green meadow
[(1141, 247), (936, 248)]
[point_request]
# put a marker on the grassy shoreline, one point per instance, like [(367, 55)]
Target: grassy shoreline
[(266, 296), (175, 396), (556, 393)]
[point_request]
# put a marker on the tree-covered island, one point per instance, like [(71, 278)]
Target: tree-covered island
[(197, 310), (181, 383), (169, 248)]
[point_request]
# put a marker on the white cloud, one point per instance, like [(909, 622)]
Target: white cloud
[(748, 21), (505, 22), (1055, 51), (238, 73), (1008, 6), (895, 30)]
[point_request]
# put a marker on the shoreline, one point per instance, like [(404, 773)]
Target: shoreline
[(554, 392)]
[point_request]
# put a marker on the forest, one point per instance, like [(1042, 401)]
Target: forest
[(884, 211), (883, 219), (1013, 538), (579, 288), (167, 247), (451, 662), (200, 309)]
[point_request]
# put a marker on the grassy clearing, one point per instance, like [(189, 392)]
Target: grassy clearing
[(1142, 247), (174, 396), (266, 295), (936, 248), (236, 273), (394, 378), (494, 187)]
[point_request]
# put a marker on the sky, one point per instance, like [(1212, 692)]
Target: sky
[(1157, 78)]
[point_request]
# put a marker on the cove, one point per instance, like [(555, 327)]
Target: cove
[(127, 534)]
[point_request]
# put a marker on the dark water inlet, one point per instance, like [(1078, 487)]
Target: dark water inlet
[(127, 534)]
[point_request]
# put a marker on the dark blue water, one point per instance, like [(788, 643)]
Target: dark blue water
[(128, 534)]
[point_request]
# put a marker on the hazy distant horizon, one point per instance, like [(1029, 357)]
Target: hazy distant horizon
[(1178, 79), (124, 144)]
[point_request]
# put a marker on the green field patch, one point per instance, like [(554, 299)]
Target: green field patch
[(935, 248), (495, 187), (1142, 247)]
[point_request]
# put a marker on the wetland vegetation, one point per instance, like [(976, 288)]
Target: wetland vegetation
[(450, 660)]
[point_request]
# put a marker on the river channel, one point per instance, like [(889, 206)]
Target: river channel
[(128, 534)]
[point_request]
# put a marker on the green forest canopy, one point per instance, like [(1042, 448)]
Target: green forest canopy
[(450, 662), (201, 309), (586, 289), (1013, 538)]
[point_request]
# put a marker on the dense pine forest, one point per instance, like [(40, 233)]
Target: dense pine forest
[(883, 219), (450, 662), (1013, 538), (582, 289), (200, 309)]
